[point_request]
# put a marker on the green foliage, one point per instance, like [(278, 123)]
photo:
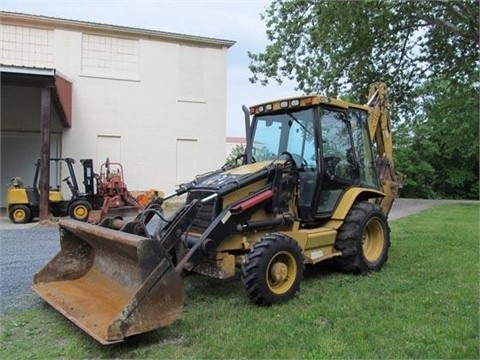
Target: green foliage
[(426, 51), (410, 162), (237, 151), (335, 47), (438, 150), (237, 155), (426, 298)]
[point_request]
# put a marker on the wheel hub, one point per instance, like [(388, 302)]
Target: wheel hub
[(279, 271), (80, 211), (19, 215), (373, 241)]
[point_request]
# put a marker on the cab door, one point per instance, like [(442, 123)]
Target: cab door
[(339, 165)]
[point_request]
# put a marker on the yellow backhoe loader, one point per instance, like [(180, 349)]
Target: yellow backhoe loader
[(316, 182)]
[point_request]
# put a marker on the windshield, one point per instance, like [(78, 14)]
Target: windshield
[(285, 132)]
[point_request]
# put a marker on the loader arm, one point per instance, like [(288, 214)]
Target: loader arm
[(115, 280), (232, 219), (380, 134)]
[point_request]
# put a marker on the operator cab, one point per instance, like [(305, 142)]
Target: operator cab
[(327, 139)]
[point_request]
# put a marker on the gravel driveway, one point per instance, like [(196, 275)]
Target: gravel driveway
[(22, 252), (24, 249), (405, 207)]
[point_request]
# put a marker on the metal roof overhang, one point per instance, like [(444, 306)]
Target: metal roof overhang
[(61, 88), (20, 19)]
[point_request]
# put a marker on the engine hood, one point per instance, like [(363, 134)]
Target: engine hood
[(236, 175)]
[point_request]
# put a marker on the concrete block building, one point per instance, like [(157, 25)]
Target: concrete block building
[(152, 100)]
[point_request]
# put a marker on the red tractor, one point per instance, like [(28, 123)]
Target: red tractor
[(112, 190)]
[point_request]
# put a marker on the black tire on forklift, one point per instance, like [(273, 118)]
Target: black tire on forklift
[(20, 214), (79, 210), (273, 270), (363, 238)]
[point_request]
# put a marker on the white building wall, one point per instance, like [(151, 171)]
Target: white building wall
[(139, 92), (149, 117)]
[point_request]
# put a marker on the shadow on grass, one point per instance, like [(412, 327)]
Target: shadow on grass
[(325, 268)]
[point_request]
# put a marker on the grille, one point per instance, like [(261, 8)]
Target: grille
[(207, 212)]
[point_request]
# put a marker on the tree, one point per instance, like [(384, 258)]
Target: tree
[(410, 161), (236, 157), (335, 47), (426, 51), (439, 149)]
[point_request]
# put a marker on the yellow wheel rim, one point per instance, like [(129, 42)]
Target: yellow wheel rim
[(373, 240), (281, 272), (19, 215), (80, 212)]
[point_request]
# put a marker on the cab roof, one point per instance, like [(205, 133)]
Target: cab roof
[(303, 101)]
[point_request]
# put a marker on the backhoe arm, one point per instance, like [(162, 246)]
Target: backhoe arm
[(380, 134)]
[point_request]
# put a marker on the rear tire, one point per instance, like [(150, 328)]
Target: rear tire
[(79, 210), (20, 214), (364, 239), (273, 270)]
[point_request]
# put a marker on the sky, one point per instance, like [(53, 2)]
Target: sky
[(237, 20)]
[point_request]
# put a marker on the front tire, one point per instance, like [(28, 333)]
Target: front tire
[(20, 214), (363, 239), (79, 210), (273, 270)]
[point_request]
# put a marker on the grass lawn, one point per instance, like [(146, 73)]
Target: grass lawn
[(423, 304)]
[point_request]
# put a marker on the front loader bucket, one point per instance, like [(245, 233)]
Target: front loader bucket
[(110, 283)]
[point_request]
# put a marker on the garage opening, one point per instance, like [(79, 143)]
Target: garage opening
[(36, 107)]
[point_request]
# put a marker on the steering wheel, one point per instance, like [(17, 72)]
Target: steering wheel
[(300, 162), (330, 163)]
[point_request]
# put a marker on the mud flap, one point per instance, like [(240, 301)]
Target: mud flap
[(109, 283)]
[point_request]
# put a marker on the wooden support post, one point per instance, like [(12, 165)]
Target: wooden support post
[(44, 183)]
